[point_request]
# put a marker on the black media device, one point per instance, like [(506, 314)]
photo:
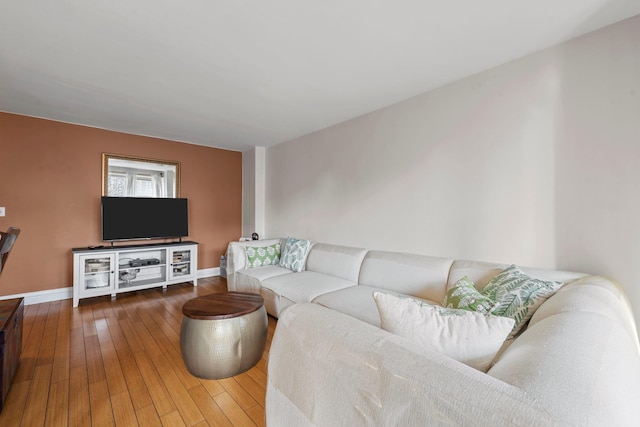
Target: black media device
[(138, 218)]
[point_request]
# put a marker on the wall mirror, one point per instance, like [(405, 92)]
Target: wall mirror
[(124, 176)]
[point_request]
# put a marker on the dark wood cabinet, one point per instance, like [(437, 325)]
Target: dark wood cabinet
[(11, 315)]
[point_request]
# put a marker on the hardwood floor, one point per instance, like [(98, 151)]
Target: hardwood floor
[(117, 362)]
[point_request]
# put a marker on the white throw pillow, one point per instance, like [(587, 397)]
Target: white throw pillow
[(466, 336)]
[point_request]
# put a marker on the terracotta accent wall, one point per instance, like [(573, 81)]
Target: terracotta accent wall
[(50, 185)]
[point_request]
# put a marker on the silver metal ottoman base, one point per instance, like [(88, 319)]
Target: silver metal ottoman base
[(221, 348)]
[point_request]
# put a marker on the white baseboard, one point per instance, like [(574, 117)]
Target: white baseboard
[(43, 296), (67, 293), (208, 272)]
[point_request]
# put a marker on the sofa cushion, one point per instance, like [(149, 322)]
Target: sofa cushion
[(250, 279), (465, 296), (417, 275), (582, 366), (481, 273), (337, 261), (356, 301), (261, 256), (304, 286), (518, 295), (294, 254), (590, 294), (466, 336), (274, 303)]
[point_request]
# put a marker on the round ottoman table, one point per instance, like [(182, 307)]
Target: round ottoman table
[(223, 334)]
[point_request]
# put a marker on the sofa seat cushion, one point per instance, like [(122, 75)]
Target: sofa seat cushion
[(274, 303), (249, 279), (356, 301), (304, 286)]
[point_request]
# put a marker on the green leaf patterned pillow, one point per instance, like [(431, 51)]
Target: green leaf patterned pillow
[(518, 296), (259, 256), (464, 295), (294, 254)]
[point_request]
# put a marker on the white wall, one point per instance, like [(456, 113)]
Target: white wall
[(248, 192), (598, 153), (534, 162), (253, 191), (466, 171)]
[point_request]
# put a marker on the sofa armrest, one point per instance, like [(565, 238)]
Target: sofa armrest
[(237, 258), (327, 369)]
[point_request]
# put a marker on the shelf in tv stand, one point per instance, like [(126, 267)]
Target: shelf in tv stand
[(140, 267), (107, 270)]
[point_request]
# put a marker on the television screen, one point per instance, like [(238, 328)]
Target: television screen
[(132, 218)]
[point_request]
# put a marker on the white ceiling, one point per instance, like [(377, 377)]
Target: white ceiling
[(240, 73)]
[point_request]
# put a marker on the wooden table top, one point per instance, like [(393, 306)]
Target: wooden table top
[(225, 305)]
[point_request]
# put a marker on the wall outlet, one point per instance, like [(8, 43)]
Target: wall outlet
[(2, 211)]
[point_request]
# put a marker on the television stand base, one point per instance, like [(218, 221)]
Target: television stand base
[(100, 270)]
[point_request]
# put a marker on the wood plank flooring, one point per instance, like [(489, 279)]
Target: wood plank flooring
[(118, 363)]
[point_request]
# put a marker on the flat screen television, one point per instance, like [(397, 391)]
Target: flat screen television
[(140, 218)]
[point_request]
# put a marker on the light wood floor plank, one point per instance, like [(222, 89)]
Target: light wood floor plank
[(31, 345), (213, 387), (95, 364), (48, 343), (209, 408), (36, 405), (172, 419), (181, 398), (118, 362), (175, 357), (101, 409), (123, 412), (238, 393), (61, 357), (256, 414), (259, 372), (79, 406), (77, 355), (58, 404), (254, 389), (159, 394), (232, 410), (135, 383), (14, 405), (88, 323), (148, 417), (113, 371)]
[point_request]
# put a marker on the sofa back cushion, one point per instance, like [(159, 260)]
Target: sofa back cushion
[(417, 275), (338, 261), (480, 273)]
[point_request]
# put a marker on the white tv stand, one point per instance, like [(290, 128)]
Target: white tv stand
[(110, 270)]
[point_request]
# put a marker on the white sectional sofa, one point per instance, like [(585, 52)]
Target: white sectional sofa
[(330, 363)]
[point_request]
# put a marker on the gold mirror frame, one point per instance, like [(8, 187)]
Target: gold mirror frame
[(108, 159)]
